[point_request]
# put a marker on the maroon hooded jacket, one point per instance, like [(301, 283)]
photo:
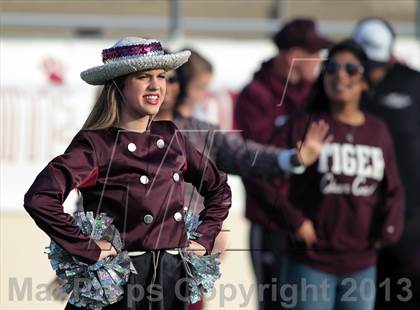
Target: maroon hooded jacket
[(263, 105), (138, 180), (352, 194)]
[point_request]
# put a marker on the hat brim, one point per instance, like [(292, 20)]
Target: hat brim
[(319, 44), (101, 74)]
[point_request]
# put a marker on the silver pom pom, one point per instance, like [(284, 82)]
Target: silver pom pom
[(98, 285), (203, 271)]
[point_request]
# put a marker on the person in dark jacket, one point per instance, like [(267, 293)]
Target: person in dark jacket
[(347, 205), (278, 90), (395, 97), (133, 169)]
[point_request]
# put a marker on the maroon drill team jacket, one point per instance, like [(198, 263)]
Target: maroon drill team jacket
[(263, 105), (137, 179), (352, 194)]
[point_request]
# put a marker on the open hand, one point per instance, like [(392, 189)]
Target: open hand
[(315, 139)]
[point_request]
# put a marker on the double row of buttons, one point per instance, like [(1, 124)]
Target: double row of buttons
[(160, 144), (144, 179)]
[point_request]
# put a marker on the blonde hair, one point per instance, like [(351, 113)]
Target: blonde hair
[(107, 109)]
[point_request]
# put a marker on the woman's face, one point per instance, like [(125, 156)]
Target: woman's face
[(343, 78), (144, 92), (198, 86)]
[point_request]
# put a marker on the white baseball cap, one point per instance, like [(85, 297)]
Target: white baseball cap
[(377, 39)]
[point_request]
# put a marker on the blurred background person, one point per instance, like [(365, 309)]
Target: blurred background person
[(194, 85), (348, 204), (186, 89), (395, 97), (279, 89)]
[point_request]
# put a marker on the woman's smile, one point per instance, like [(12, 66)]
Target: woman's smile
[(152, 99)]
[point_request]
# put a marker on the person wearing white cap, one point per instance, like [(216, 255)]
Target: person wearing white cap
[(377, 38), (395, 97), (133, 169)]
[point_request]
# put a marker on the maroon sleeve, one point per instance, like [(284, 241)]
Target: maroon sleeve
[(254, 114), (76, 168), (392, 213), (212, 185)]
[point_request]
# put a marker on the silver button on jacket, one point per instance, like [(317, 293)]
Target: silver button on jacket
[(144, 179), (148, 219), (178, 216), (131, 147), (160, 144), (176, 177)]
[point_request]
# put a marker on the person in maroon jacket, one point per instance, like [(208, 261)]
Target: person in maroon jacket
[(350, 202), (133, 169), (279, 89)]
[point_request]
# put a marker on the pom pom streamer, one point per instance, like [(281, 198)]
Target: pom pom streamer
[(192, 221), (203, 271), (98, 285)]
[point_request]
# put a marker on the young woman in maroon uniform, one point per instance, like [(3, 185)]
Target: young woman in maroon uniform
[(350, 202), (133, 169)]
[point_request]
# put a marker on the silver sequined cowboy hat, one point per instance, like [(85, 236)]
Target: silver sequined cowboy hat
[(133, 54)]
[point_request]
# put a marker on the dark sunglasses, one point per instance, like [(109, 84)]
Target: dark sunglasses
[(352, 69), (172, 79)]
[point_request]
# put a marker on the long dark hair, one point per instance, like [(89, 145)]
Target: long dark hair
[(318, 100), (186, 73)]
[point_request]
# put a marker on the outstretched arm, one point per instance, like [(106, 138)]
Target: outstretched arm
[(250, 159)]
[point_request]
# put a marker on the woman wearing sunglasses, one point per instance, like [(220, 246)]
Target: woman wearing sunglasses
[(350, 202)]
